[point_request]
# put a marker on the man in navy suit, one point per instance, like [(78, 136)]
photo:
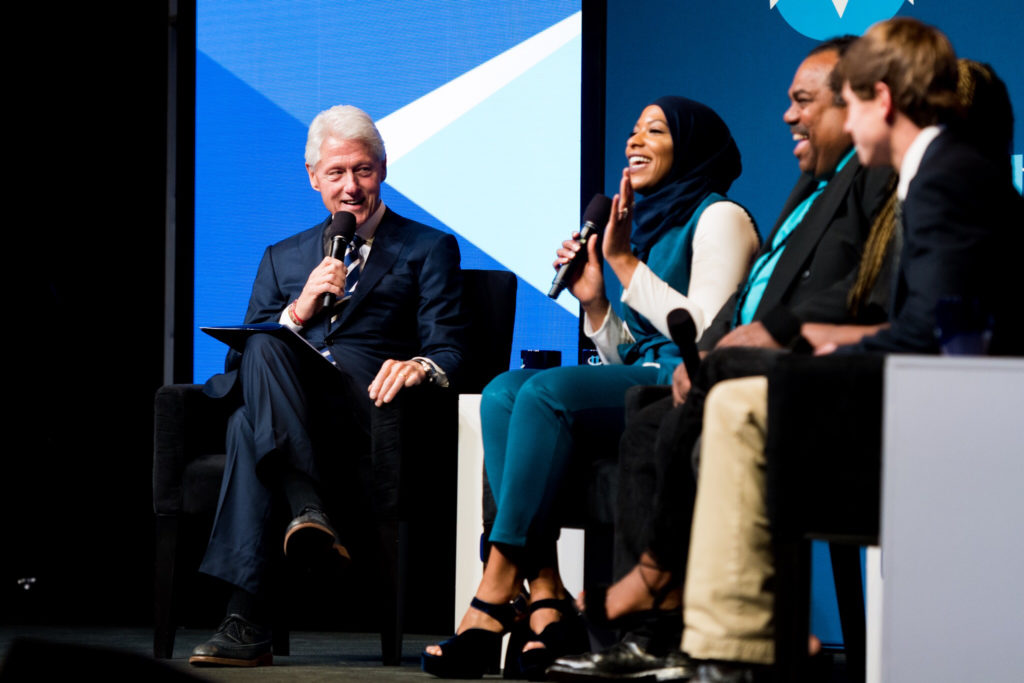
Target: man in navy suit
[(397, 323), (961, 214)]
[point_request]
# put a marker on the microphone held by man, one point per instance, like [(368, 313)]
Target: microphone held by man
[(340, 231)]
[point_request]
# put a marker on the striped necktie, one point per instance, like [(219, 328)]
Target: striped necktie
[(353, 265)]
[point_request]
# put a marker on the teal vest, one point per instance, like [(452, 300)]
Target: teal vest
[(670, 259)]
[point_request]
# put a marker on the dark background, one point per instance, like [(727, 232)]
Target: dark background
[(86, 140)]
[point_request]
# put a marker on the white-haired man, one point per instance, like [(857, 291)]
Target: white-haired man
[(397, 323)]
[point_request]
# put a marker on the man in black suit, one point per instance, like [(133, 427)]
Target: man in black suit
[(805, 268), (962, 229), (397, 323)]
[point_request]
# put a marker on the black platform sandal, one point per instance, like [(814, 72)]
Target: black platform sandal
[(567, 636), (475, 651)]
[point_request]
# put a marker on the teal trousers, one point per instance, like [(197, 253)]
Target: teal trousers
[(534, 423)]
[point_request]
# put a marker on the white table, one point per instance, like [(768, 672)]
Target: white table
[(952, 521)]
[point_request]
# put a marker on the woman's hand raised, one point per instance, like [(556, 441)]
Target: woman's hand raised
[(617, 232)]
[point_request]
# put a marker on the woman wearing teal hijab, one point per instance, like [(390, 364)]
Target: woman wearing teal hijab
[(689, 248)]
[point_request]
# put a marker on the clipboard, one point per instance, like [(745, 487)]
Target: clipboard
[(236, 337)]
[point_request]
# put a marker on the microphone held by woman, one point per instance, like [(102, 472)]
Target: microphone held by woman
[(594, 218)]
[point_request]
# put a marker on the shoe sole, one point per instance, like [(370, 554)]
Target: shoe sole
[(208, 660), (311, 540), (435, 666), (672, 673)]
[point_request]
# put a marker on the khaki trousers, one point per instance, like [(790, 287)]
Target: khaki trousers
[(728, 606)]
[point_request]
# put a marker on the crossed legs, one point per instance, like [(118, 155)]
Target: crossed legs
[(271, 437)]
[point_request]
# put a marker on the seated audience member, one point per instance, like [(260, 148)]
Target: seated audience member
[(402, 326), (689, 248), (962, 226), (807, 270)]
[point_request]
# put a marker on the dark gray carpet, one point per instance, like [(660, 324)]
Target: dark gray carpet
[(126, 654)]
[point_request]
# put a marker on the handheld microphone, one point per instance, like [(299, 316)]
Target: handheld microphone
[(683, 331), (340, 232), (594, 219)]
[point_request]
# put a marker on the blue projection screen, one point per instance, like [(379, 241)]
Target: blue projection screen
[(479, 107)]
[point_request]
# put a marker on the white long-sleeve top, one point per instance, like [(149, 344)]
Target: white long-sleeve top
[(724, 242)]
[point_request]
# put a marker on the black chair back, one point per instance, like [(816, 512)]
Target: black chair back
[(489, 299)]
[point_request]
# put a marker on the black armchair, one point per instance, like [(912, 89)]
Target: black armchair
[(823, 471), (188, 462)]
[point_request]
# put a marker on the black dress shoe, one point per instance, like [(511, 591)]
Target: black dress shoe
[(237, 642), (626, 660), (732, 672), (310, 536)]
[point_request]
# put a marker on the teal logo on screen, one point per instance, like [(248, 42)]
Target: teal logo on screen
[(821, 19)]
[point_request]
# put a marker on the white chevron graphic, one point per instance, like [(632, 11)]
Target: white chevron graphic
[(408, 127), (840, 5), (489, 140)]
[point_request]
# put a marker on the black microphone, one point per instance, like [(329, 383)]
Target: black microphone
[(339, 232), (683, 331), (594, 219)]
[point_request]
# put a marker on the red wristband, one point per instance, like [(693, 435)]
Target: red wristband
[(295, 316)]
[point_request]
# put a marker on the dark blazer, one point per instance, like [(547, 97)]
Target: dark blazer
[(963, 232), (408, 302), (818, 266)]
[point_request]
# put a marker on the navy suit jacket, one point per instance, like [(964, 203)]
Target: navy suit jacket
[(820, 261), (963, 230), (407, 303)]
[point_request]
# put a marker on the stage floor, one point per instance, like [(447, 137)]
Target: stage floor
[(116, 654), (317, 656)]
